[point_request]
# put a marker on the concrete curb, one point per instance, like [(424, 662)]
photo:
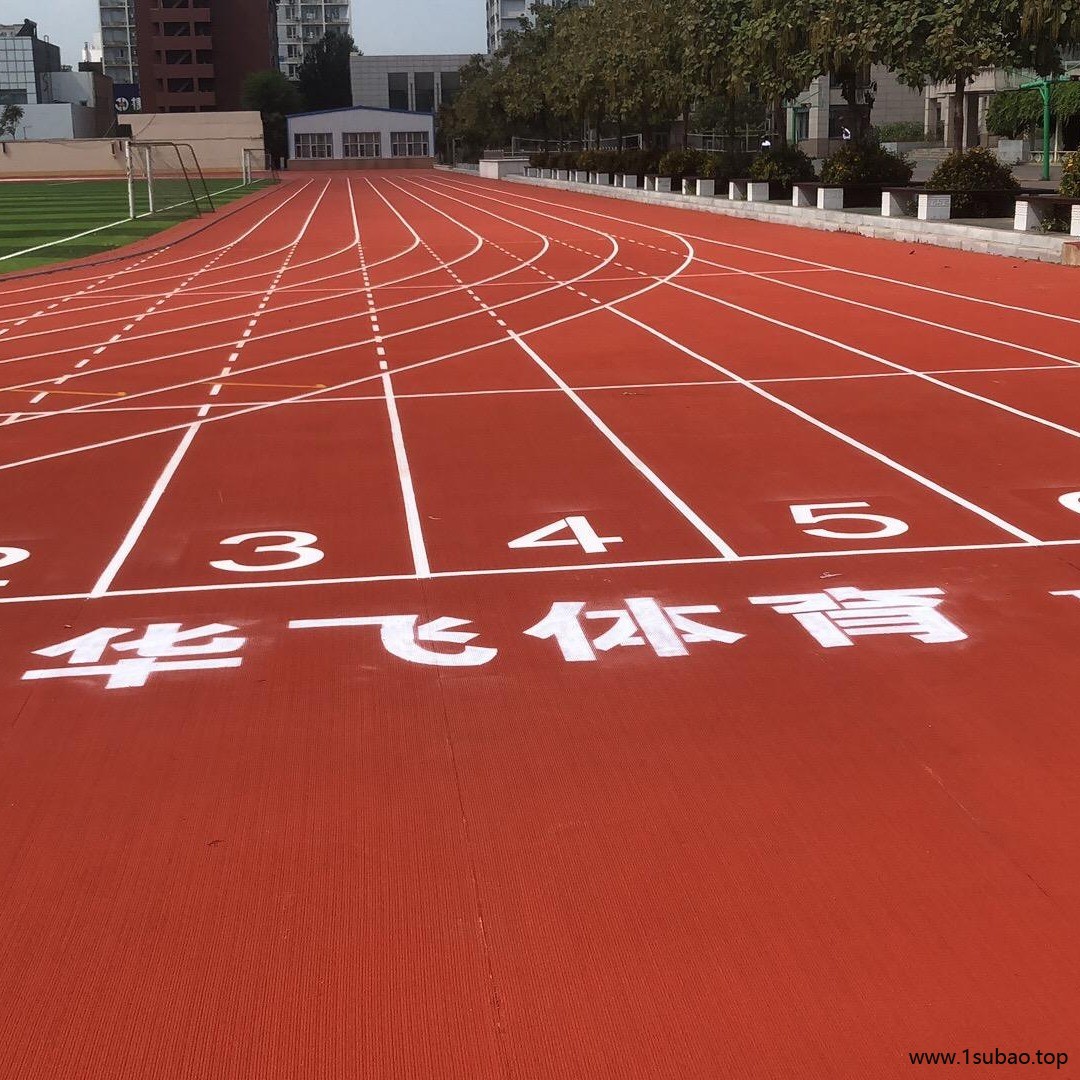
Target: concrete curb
[(1040, 247)]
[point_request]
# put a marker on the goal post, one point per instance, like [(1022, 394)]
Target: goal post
[(165, 178)]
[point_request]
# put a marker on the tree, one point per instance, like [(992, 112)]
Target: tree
[(772, 54), (324, 77), (274, 97), (476, 119), (10, 119), (952, 42)]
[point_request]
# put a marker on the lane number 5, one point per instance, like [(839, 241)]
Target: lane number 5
[(814, 513), (298, 546)]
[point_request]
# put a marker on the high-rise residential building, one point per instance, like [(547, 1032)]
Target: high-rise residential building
[(118, 54), (194, 55), (301, 23), (504, 15)]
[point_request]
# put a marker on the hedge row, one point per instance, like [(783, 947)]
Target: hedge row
[(784, 165), (977, 170), (673, 163)]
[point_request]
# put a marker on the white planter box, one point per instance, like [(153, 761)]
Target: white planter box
[(1074, 222), (662, 183), (562, 174), (802, 196), (698, 186), (602, 178), (757, 191), (629, 180), (830, 198), (934, 207), (581, 176), (899, 203)]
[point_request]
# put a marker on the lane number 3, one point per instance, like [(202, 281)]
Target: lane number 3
[(815, 513), (298, 546)]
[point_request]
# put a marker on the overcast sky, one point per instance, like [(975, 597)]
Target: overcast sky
[(379, 26)]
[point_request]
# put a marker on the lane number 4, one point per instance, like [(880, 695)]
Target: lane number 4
[(579, 533)]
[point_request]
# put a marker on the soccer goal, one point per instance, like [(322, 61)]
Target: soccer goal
[(165, 178)]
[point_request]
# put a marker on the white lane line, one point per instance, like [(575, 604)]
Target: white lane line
[(108, 575), (953, 496), (408, 493), (679, 504), (877, 455), (510, 571), (161, 485), (815, 265)]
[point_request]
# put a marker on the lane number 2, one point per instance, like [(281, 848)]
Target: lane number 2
[(814, 513), (581, 534), (9, 556), (298, 546)]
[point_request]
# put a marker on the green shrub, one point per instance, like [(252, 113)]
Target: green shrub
[(566, 159), (680, 163), (540, 160), (901, 131), (856, 164), (728, 165), (976, 171), (786, 165), (1070, 176), (587, 160)]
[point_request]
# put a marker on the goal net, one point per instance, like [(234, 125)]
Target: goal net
[(165, 179)]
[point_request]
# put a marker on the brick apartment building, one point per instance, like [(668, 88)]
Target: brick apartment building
[(195, 54)]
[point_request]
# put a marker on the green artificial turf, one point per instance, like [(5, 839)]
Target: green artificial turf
[(34, 213)]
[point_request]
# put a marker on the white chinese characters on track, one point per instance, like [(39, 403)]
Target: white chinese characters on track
[(403, 638), (155, 651), (834, 617), (643, 621)]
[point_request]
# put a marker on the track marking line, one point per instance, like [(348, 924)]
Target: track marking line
[(992, 402), (282, 386), (925, 481), (710, 534), (514, 570), (141, 520), (135, 530)]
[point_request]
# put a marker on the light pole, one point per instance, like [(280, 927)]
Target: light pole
[(1044, 86)]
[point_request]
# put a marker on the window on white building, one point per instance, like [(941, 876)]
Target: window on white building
[(360, 144), (314, 144), (409, 143)]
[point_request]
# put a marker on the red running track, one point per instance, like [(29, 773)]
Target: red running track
[(457, 629)]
